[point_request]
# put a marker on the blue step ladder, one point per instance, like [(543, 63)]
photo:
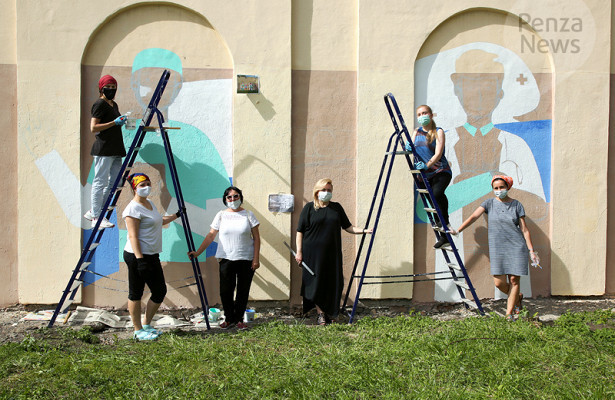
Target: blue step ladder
[(78, 274), (456, 269)]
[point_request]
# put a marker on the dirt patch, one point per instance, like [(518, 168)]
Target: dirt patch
[(14, 329)]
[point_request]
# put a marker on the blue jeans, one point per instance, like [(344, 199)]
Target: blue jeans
[(106, 169)]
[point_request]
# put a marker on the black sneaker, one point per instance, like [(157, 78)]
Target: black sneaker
[(441, 242)]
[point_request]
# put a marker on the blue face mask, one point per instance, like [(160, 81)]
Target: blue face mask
[(424, 120)]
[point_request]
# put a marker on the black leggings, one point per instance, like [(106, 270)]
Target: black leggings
[(439, 182), (233, 274), (151, 275)]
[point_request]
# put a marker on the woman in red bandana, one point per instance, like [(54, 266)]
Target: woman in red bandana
[(509, 241), (144, 224), (108, 149)]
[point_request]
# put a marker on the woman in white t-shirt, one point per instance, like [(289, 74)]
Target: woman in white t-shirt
[(238, 255), (144, 225)]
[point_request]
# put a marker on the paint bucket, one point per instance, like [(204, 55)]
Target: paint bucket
[(248, 316), (214, 314), (131, 123)]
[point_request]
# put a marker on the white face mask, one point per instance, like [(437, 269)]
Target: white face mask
[(324, 196), (144, 191), (501, 194), (233, 205)]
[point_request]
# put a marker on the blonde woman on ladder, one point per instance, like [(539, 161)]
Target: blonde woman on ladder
[(429, 142)]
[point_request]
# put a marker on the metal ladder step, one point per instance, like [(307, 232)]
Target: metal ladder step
[(65, 305), (454, 266), (469, 302), (84, 265), (398, 152), (76, 284), (461, 284), (446, 247), (431, 210)]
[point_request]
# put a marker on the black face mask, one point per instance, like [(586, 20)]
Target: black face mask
[(109, 93)]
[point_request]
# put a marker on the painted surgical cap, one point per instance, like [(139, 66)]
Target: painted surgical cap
[(157, 58)]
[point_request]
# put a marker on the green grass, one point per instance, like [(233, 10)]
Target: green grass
[(376, 358)]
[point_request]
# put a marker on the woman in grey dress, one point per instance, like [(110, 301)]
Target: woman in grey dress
[(509, 241)]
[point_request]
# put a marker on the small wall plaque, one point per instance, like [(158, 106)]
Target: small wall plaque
[(281, 202), (248, 84)]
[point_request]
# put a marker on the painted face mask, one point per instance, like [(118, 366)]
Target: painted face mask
[(325, 196), (233, 205), (109, 93), (144, 191), (424, 120), (501, 194)]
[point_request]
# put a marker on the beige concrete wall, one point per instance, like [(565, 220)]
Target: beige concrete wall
[(387, 49), (8, 155), (610, 245), (324, 112), (578, 220)]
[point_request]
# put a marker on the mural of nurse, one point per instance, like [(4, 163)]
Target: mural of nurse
[(482, 146), (197, 159), (492, 101)]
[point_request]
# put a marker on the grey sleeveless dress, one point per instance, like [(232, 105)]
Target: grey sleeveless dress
[(508, 252)]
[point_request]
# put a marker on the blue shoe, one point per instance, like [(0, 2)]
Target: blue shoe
[(151, 329), (142, 334)]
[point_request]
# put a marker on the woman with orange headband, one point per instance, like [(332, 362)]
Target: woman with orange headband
[(509, 241), (144, 224)]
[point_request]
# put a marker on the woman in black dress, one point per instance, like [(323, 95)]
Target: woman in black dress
[(319, 245)]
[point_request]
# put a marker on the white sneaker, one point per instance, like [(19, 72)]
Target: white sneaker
[(103, 224), (89, 216)]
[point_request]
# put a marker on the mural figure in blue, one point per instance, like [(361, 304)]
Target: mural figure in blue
[(200, 166)]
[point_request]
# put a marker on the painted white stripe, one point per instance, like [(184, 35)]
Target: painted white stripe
[(70, 195)]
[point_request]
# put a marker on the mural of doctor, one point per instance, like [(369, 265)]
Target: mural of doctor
[(197, 158), (201, 159), (479, 87)]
